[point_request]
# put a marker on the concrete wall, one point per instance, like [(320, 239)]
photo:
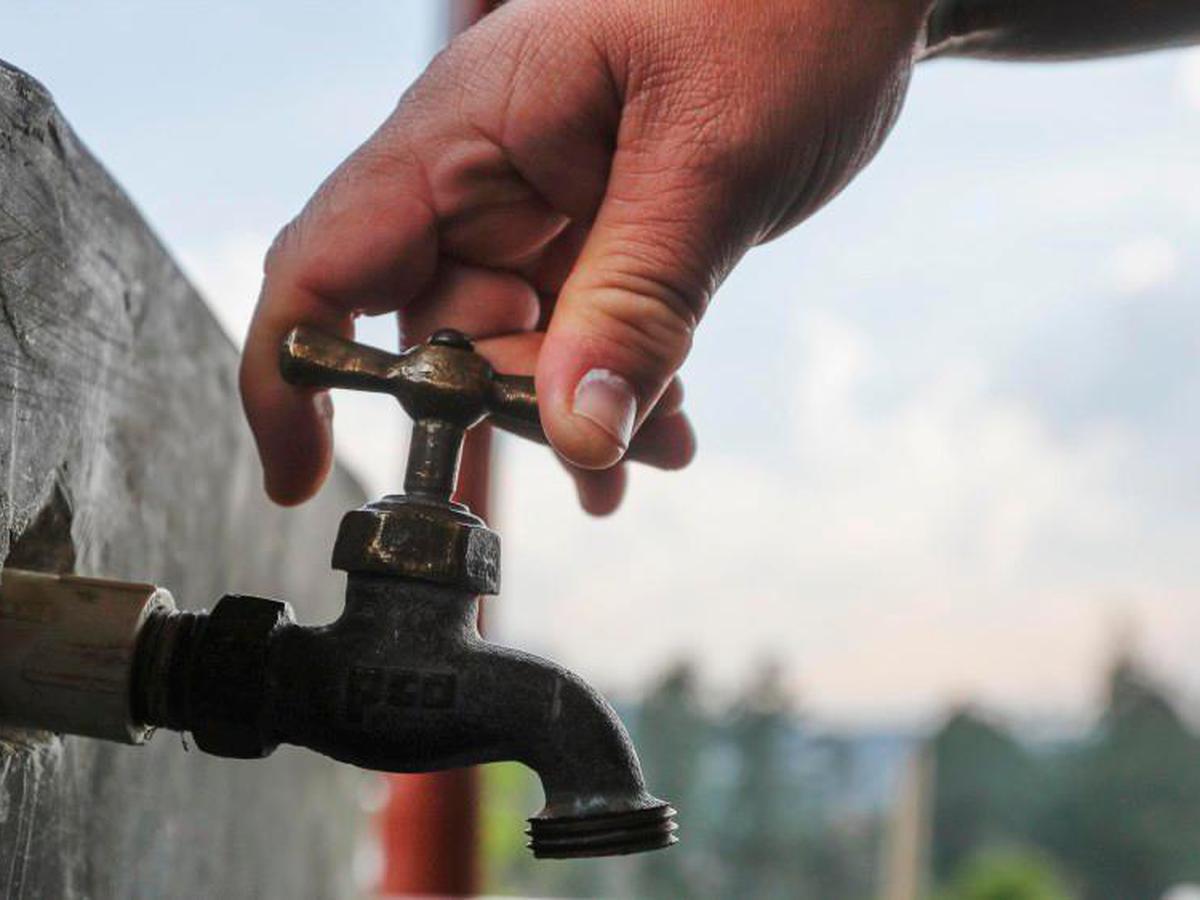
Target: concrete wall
[(123, 453)]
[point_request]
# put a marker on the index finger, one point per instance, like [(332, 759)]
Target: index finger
[(366, 242)]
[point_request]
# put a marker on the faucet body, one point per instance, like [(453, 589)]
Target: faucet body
[(405, 682), (402, 681)]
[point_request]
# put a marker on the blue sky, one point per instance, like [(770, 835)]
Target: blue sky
[(953, 418)]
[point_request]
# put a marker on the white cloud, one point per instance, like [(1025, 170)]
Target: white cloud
[(1143, 264), (906, 553), (1188, 79)]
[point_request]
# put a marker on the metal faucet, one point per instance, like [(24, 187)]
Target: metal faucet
[(402, 681)]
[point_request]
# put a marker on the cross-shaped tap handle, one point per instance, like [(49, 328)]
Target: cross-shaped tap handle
[(443, 384)]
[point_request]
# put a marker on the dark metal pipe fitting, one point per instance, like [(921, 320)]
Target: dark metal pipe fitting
[(403, 682)]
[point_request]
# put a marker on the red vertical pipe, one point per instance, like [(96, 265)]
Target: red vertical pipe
[(429, 826)]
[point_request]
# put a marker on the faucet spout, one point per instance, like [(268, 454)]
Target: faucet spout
[(402, 681), (596, 798)]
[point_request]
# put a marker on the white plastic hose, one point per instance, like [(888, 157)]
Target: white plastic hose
[(67, 648)]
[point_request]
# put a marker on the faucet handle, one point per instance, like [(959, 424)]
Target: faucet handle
[(443, 378), (443, 384), (312, 358)]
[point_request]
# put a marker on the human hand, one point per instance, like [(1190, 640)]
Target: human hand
[(568, 183)]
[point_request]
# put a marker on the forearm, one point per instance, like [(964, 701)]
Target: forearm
[(1059, 29)]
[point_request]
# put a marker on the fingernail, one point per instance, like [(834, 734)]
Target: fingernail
[(323, 404), (606, 399)]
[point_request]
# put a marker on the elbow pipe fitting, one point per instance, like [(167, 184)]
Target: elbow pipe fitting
[(402, 682)]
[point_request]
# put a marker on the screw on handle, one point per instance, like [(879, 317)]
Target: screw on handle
[(443, 384)]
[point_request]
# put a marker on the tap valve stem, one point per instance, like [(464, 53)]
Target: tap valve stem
[(447, 388)]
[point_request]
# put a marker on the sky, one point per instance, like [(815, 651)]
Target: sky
[(949, 428)]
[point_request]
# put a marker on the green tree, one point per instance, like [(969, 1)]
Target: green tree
[(986, 791), (762, 856), (1127, 819), (1006, 875), (672, 733)]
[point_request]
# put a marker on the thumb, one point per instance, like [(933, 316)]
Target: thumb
[(623, 322)]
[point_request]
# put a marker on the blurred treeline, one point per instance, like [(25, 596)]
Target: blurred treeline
[(770, 806), (766, 808), (1111, 815)]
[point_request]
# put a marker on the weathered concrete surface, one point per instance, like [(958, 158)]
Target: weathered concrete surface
[(123, 453)]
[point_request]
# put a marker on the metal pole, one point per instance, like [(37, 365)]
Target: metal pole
[(429, 826)]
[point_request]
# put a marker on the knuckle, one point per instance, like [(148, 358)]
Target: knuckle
[(646, 320), (281, 249), (668, 245), (514, 40), (655, 264)]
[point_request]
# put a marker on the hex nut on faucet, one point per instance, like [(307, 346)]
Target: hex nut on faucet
[(220, 695), (399, 537)]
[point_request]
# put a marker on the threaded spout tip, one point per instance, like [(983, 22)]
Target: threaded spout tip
[(605, 834)]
